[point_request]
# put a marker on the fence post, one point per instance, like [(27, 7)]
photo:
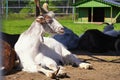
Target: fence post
[(1, 76), (6, 9)]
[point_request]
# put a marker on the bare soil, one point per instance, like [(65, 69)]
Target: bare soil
[(106, 66)]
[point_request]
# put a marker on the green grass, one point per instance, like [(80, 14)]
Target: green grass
[(17, 26), (80, 28)]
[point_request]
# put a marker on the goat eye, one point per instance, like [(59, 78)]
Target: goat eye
[(47, 17), (50, 21)]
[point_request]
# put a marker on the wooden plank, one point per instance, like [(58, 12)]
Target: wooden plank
[(116, 17)]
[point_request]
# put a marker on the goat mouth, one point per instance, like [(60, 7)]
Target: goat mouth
[(61, 32), (58, 32)]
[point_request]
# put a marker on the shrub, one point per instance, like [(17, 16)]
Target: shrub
[(30, 9)]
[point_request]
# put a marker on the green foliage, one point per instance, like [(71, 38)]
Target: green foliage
[(29, 10), (14, 16)]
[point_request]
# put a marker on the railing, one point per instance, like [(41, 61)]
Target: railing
[(61, 10)]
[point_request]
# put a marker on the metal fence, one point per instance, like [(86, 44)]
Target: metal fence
[(20, 4), (1, 77)]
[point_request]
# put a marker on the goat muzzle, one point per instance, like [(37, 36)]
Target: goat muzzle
[(61, 30)]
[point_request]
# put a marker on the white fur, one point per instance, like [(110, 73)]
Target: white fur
[(29, 43), (52, 52), (37, 54)]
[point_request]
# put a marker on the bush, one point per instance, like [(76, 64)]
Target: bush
[(14, 16), (28, 10)]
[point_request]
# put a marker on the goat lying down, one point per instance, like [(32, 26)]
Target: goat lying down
[(54, 55), (39, 55), (8, 57), (94, 40), (34, 54), (109, 30)]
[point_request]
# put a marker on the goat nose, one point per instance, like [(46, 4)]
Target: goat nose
[(61, 30)]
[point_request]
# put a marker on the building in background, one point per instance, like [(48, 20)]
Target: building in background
[(97, 11), (82, 11)]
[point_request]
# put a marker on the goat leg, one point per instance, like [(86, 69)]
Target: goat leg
[(48, 73)]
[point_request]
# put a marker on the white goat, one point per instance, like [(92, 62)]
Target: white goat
[(36, 54), (54, 54), (28, 45)]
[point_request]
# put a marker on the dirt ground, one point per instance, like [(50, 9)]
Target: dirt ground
[(106, 66)]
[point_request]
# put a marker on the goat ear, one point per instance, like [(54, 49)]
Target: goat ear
[(40, 19), (41, 39)]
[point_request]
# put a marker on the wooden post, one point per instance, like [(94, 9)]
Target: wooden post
[(74, 14), (116, 17), (73, 11), (6, 9), (111, 14), (92, 14)]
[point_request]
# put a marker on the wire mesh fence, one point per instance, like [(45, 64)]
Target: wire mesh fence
[(27, 7)]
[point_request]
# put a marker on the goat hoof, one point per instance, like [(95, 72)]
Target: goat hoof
[(64, 75), (53, 76), (85, 66), (50, 75)]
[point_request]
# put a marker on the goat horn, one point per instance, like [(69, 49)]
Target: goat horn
[(38, 8), (45, 7), (112, 24), (37, 3), (106, 23)]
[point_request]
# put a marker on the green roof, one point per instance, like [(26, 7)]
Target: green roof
[(93, 4), (96, 3)]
